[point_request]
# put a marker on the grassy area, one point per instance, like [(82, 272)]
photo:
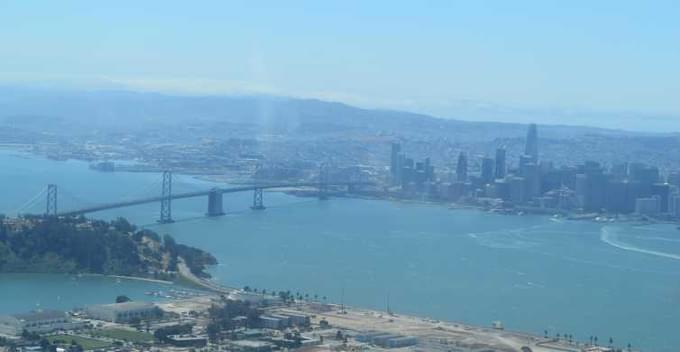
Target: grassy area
[(86, 343), (126, 335)]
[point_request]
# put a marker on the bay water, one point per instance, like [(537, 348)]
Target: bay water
[(533, 273)]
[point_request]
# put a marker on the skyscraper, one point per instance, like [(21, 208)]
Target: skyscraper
[(487, 174), (500, 163), (531, 148), (395, 163), (461, 168)]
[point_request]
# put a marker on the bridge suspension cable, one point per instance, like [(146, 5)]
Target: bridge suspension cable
[(35, 200), (150, 189), (76, 202)]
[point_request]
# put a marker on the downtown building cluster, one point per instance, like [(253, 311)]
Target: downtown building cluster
[(538, 185)]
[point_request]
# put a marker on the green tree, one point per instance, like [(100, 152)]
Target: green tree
[(123, 299)]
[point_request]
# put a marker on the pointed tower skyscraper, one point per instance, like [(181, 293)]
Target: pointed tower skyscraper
[(461, 168), (531, 148)]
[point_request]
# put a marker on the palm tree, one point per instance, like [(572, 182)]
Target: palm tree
[(545, 333), (629, 347), (611, 341), (595, 339), (324, 299)]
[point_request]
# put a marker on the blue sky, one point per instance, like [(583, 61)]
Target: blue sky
[(426, 56)]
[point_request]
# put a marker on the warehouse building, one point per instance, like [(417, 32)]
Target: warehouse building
[(39, 321), (123, 312)]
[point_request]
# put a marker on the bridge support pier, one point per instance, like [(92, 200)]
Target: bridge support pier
[(258, 203), (215, 203)]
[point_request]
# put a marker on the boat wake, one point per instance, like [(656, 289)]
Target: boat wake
[(609, 236)]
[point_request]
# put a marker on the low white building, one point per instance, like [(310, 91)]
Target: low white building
[(674, 205), (123, 312), (40, 321), (648, 206)]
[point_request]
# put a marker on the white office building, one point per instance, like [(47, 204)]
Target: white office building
[(40, 321), (123, 312)]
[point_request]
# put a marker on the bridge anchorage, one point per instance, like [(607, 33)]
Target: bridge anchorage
[(258, 203)]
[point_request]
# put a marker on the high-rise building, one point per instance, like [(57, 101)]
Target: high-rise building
[(461, 168), (674, 206), (591, 184), (674, 179), (429, 170), (647, 175), (395, 167), (615, 196), (663, 191), (619, 172), (500, 163), (487, 174), (516, 188), (648, 206), (531, 148), (407, 171)]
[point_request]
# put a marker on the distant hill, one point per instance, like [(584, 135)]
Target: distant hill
[(68, 112)]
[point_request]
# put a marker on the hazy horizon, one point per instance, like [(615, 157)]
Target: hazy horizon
[(606, 64), (470, 111)]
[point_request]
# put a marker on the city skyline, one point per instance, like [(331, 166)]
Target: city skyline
[(537, 185), (339, 176)]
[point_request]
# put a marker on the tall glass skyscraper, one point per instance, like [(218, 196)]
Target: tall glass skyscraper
[(532, 143)]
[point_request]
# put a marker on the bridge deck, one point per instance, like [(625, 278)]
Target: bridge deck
[(129, 203)]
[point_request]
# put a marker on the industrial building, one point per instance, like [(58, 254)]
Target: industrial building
[(40, 321), (123, 312), (387, 340), (187, 340)]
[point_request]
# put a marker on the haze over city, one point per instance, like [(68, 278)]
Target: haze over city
[(605, 64), (339, 176)]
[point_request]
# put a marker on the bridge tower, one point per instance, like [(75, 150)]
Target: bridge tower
[(51, 208), (323, 181), (166, 198), (215, 203), (258, 203)]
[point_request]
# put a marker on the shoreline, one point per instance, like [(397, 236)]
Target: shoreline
[(185, 273), (131, 278), (519, 211)]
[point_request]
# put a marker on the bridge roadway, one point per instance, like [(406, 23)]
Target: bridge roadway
[(155, 199)]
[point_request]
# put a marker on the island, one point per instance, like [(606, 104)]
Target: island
[(79, 245), (216, 318)]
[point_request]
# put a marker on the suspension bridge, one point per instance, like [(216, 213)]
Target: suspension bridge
[(167, 196)]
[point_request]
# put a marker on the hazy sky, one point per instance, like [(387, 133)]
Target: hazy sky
[(417, 55)]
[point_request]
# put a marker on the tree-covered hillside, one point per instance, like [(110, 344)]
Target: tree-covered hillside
[(79, 245)]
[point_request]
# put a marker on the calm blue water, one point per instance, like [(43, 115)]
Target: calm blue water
[(531, 272)]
